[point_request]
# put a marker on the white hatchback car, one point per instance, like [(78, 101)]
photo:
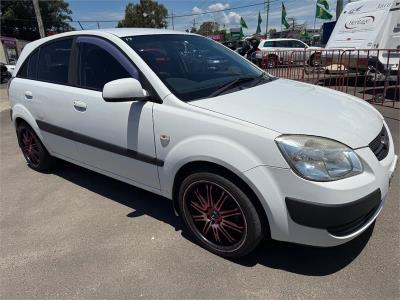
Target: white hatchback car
[(240, 153)]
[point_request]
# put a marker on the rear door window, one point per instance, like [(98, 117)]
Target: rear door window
[(296, 44), (282, 44), (54, 62)]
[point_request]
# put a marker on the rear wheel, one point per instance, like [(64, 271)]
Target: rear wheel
[(36, 155), (219, 215), (272, 62), (315, 60)]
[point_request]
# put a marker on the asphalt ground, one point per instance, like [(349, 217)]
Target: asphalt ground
[(72, 233)]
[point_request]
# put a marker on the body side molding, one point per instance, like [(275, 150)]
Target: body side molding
[(75, 136)]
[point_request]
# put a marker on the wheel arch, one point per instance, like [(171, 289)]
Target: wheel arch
[(207, 166), (21, 115), (19, 120)]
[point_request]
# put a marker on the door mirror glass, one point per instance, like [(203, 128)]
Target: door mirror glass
[(125, 89)]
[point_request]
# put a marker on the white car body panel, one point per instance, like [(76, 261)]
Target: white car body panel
[(49, 102), (279, 105), (207, 139), (236, 131), (123, 124)]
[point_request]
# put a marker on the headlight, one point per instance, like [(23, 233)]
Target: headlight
[(319, 159)]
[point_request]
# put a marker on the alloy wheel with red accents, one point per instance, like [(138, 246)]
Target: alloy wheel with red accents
[(219, 214), (32, 148)]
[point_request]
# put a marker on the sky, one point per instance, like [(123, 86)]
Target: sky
[(302, 10)]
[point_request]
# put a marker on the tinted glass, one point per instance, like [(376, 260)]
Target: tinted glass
[(54, 62), (23, 71), (296, 44), (32, 66), (282, 44), (269, 44), (97, 66), (192, 67)]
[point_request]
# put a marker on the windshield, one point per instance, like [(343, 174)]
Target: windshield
[(194, 67)]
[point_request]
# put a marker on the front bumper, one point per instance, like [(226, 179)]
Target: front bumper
[(350, 205), (337, 219)]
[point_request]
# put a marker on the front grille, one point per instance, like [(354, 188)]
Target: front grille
[(380, 144)]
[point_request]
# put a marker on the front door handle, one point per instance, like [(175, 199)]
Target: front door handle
[(28, 95), (80, 105)]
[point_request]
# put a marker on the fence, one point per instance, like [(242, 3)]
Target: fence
[(373, 75)]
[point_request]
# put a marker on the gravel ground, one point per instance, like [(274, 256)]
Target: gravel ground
[(73, 233)]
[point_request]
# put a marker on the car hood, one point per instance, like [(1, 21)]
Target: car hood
[(291, 107)]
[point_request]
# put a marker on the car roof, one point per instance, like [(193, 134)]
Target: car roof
[(119, 32), (123, 32), (282, 39)]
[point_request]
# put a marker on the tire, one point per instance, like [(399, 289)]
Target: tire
[(272, 62), (219, 215), (312, 63), (35, 154)]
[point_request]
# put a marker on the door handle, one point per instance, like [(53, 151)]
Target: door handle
[(80, 105), (28, 95)]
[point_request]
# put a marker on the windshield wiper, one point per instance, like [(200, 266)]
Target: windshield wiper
[(262, 78), (232, 83)]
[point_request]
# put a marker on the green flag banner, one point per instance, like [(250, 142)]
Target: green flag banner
[(243, 23), (259, 23), (284, 20), (323, 3), (321, 10)]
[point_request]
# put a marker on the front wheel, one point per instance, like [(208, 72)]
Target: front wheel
[(219, 215)]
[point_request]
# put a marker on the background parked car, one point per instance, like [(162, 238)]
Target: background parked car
[(285, 51), (5, 73)]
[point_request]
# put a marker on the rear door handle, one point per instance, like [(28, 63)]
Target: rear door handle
[(80, 105), (28, 95)]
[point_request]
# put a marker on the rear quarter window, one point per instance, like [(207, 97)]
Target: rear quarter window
[(28, 69), (32, 65), (23, 71)]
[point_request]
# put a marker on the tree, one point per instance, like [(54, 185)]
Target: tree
[(147, 14), (18, 18), (193, 30), (272, 33), (208, 28)]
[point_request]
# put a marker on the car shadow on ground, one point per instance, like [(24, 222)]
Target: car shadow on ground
[(306, 260), (311, 261)]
